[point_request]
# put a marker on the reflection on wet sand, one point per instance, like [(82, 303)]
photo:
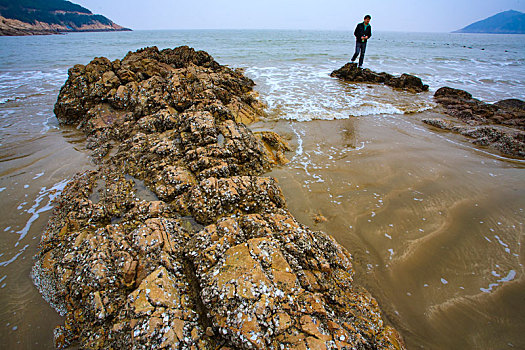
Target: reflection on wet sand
[(28, 184), (435, 227)]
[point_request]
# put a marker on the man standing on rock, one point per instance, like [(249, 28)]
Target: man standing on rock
[(362, 33)]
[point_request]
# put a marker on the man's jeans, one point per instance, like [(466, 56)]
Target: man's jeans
[(359, 47)]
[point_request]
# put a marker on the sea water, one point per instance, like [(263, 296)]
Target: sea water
[(434, 223)]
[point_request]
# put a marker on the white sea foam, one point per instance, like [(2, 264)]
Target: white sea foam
[(19, 85), (509, 277), (305, 92), (36, 209), (18, 253)]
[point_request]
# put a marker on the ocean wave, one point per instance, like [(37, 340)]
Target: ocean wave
[(18, 85), (375, 109), (303, 92)]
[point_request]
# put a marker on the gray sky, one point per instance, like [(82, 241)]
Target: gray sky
[(394, 15)]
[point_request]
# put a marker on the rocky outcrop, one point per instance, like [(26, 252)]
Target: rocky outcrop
[(500, 126), (13, 27), (27, 17), (351, 73), (176, 241)]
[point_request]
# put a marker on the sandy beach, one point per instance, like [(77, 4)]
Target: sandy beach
[(434, 223)]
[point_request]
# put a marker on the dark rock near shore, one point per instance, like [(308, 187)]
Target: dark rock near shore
[(350, 72), (500, 126), (206, 256), (512, 104), (457, 94)]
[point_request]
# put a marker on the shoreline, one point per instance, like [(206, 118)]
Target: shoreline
[(499, 126), (31, 32), (372, 134)]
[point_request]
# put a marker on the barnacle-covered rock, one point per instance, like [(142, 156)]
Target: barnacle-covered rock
[(500, 126), (175, 241), (269, 281)]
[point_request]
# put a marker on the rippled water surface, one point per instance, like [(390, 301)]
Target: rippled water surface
[(434, 223)]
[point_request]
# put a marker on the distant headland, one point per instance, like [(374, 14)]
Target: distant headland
[(40, 17), (507, 22)]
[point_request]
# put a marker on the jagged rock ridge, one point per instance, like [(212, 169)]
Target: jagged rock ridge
[(176, 241), (500, 126)]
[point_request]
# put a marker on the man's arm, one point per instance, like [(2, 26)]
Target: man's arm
[(369, 32), (356, 32)]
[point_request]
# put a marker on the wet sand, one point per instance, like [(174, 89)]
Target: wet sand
[(464, 271), (33, 171), (435, 224)]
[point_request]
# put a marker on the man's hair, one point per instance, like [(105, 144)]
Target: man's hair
[(368, 16)]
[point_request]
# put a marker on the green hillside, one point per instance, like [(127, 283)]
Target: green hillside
[(508, 22), (61, 14)]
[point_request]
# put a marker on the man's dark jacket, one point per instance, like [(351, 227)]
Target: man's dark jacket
[(360, 31)]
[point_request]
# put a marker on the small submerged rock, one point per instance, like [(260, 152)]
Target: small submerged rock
[(351, 73), (500, 126), (176, 241)]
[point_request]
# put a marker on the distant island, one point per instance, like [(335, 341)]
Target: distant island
[(39, 17), (507, 22)]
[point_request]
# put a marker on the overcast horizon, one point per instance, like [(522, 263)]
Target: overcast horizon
[(401, 15)]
